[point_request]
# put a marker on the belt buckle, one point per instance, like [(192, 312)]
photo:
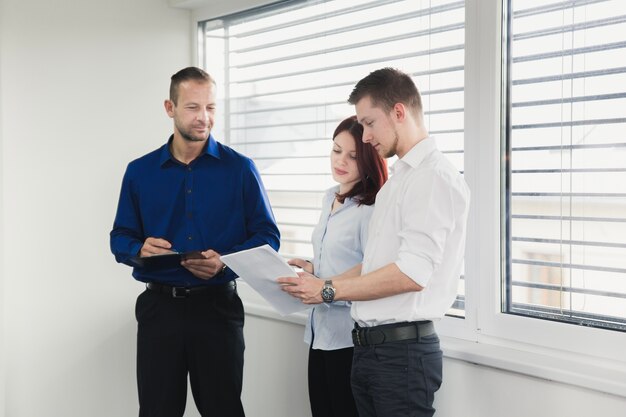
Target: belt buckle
[(175, 293), (356, 337), (362, 337)]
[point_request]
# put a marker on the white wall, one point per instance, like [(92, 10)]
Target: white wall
[(275, 371), (2, 271), (471, 390), (82, 84)]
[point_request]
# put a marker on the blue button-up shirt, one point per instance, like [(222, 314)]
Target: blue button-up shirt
[(215, 202), (338, 244)]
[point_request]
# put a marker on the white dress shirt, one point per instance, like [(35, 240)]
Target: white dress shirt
[(338, 242), (419, 224)]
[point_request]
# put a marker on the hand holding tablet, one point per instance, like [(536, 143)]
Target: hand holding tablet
[(164, 261)]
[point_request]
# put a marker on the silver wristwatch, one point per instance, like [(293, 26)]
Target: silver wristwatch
[(328, 291)]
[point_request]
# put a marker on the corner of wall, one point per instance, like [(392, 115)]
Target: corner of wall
[(2, 234)]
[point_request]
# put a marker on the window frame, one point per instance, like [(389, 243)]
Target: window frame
[(528, 345), (577, 355)]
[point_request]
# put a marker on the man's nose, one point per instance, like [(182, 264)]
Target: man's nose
[(203, 115)]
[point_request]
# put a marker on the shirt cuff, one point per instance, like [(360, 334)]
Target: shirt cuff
[(135, 249)]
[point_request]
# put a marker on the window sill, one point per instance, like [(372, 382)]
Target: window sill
[(577, 370)]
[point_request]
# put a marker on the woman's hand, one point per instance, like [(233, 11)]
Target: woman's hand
[(301, 263)]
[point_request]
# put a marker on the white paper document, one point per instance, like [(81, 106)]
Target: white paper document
[(260, 267)]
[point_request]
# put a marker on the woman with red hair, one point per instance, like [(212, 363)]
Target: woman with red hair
[(338, 243)]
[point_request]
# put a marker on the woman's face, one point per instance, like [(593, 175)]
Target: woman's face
[(343, 161)]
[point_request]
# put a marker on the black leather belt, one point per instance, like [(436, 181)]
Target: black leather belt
[(184, 292), (367, 336)]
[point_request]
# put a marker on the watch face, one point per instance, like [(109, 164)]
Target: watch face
[(328, 294)]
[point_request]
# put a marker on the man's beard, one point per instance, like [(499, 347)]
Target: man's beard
[(394, 148), (190, 138), (186, 134)]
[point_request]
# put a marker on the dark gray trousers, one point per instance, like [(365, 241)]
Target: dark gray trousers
[(397, 379)]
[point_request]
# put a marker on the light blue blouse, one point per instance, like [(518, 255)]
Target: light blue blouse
[(338, 244)]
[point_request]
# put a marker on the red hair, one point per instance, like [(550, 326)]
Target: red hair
[(372, 167)]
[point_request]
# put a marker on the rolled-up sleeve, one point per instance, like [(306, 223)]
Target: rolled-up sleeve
[(427, 221)]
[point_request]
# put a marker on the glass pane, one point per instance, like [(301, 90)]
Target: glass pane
[(566, 162)]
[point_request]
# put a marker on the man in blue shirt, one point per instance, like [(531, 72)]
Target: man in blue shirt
[(192, 194)]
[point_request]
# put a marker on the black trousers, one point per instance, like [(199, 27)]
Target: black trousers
[(397, 379), (200, 336), (329, 383)]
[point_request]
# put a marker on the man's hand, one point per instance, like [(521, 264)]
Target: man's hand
[(204, 268), (155, 246), (307, 288)]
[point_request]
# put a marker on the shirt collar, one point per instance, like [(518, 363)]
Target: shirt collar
[(211, 148), (414, 157), (350, 201)]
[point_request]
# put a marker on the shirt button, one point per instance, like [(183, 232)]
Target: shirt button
[(188, 168), (189, 191), (189, 237)]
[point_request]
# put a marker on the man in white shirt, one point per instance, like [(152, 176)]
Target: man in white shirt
[(413, 256)]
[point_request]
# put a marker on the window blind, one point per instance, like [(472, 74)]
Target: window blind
[(286, 71), (566, 162)]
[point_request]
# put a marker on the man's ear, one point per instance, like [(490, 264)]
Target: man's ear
[(169, 107), (399, 112)]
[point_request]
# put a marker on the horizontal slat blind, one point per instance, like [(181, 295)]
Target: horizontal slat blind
[(566, 188), (286, 73)]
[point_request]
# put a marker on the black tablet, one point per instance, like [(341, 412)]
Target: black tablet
[(163, 261)]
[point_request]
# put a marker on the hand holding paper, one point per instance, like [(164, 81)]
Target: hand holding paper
[(260, 267), (306, 287)]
